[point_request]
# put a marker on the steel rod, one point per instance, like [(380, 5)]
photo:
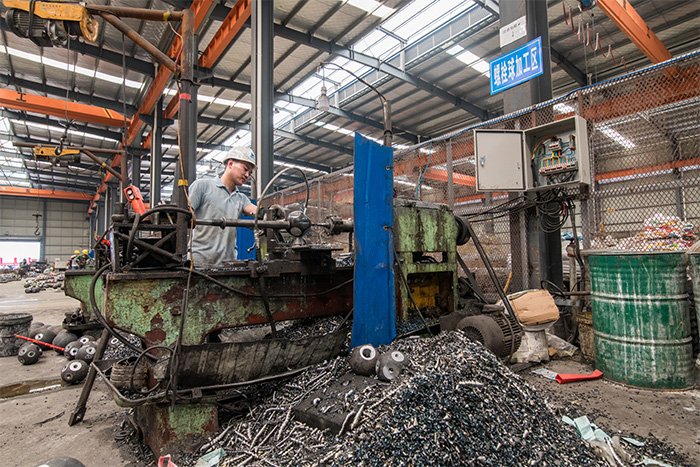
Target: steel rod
[(152, 50), (246, 223), (138, 13), (101, 163)]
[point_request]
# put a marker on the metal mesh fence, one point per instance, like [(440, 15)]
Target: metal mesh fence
[(644, 141)]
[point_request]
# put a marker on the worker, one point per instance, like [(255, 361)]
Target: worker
[(214, 198), (73, 261), (82, 259)]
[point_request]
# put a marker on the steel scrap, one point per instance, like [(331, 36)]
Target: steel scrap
[(455, 404)]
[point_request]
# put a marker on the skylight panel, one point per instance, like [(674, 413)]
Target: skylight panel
[(616, 136), (310, 87), (468, 58), (77, 69), (289, 106), (227, 102), (372, 6), (426, 20), (337, 129), (378, 44), (4, 125), (70, 132), (563, 108)]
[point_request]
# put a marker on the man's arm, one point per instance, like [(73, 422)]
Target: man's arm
[(250, 210)]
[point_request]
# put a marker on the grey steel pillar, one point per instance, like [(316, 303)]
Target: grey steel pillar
[(538, 89), (543, 249), (136, 170), (262, 89), (156, 153)]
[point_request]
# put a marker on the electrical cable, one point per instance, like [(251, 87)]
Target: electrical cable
[(420, 180), (101, 319)]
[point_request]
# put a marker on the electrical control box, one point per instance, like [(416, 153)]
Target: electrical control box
[(547, 156)]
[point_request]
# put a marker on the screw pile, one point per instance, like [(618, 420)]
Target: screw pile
[(456, 405)]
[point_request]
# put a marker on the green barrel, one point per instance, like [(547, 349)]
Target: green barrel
[(694, 264), (641, 322)]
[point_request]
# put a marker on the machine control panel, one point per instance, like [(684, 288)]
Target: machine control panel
[(547, 156)]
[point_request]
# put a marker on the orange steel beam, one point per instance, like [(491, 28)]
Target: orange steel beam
[(37, 193), (628, 20), (441, 176), (648, 169), (201, 9), (465, 199), (60, 108), (231, 26), (683, 85)]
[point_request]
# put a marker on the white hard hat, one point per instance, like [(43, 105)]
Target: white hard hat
[(239, 153)]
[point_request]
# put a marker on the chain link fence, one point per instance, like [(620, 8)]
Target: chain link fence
[(644, 141)]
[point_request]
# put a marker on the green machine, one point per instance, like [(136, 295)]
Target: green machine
[(426, 259)]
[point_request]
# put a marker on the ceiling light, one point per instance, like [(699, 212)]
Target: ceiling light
[(323, 104)]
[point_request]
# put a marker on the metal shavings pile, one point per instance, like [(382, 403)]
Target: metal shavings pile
[(115, 349), (413, 323), (456, 404), (301, 329)]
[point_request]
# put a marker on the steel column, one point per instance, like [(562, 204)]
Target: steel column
[(187, 130), (156, 154), (262, 89)]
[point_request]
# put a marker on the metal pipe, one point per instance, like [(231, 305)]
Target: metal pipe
[(139, 40), (187, 127), (246, 223), (388, 134), (138, 13), (101, 163), (124, 178)]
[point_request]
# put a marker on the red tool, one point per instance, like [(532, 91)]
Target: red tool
[(133, 195), (39, 342)]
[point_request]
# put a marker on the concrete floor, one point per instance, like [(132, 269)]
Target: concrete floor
[(35, 426)]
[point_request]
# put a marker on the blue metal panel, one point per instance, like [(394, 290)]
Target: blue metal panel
[(375, 311), (244, 240), (518, 66)]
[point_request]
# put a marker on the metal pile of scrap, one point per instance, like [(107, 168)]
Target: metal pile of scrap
[(456, 405), (9, 277), (44, 282)]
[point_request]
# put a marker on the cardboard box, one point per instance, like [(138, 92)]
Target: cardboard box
[(534, 307)]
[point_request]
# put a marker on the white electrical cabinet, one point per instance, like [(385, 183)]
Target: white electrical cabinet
[(544, 157)]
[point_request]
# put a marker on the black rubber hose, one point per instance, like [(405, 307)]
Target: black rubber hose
[(102, 320)]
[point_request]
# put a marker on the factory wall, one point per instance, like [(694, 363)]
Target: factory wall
[(62, 228)]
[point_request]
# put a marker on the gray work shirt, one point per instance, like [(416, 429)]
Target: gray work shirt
[(210, 199)]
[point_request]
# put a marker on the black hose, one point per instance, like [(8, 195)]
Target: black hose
[(102, 320)]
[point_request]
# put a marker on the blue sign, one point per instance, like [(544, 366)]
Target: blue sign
[(517, 66)]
